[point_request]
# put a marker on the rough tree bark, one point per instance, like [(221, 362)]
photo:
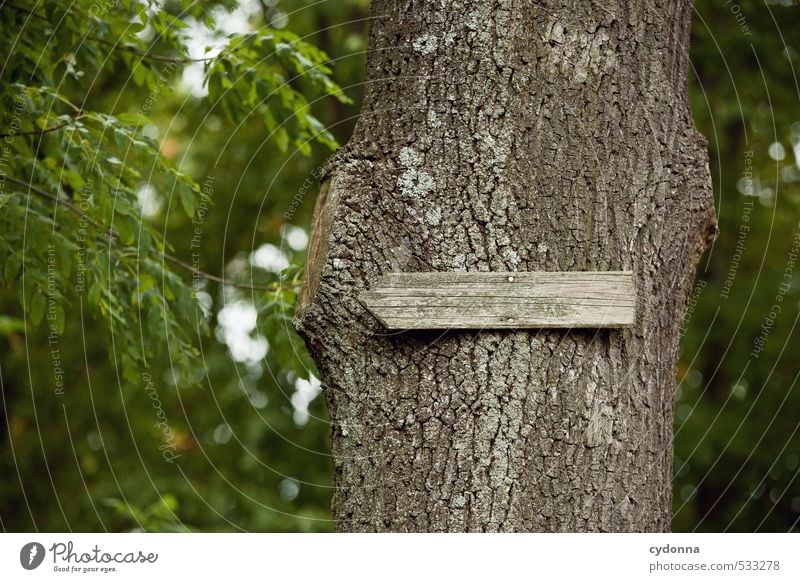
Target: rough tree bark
[(510, 136)]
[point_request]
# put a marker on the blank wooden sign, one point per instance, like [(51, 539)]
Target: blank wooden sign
[(475, 300)]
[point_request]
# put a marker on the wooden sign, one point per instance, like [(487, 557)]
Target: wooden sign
[(475, 300)]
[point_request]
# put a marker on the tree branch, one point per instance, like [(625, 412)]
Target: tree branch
[(143, 54), (45, 130), (166, 256), (25, 10), (151, 56), (66, 203)]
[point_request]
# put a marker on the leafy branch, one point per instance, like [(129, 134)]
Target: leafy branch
[(56, 127), (63, 152), (167, 257)]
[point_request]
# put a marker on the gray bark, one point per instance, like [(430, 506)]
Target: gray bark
[(510, 136)]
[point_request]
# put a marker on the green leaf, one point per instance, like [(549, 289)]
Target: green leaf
[(12, 267), (136, 119), (94, 294), (125, 229), (36, 308), (139, 74), (187, 198), (146, 282)]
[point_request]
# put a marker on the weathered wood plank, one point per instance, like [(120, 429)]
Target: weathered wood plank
[(474, 300)]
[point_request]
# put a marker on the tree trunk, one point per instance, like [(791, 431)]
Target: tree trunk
[(510, 136)]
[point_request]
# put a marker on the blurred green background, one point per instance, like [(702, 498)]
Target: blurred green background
[(253, 438)]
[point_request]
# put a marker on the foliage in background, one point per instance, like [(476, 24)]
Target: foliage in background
[(222, 176), (737, 448), (131, 373), (64, 155)]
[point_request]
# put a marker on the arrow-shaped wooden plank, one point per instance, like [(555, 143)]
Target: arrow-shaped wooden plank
[(475, 300)]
